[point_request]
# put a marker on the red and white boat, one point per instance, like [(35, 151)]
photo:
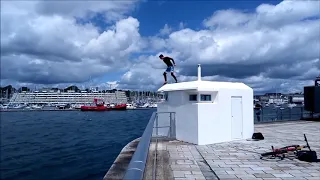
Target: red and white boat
[(100, 106)]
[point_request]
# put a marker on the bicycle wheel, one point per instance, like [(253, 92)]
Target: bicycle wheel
[(268, 154), (281, 151)]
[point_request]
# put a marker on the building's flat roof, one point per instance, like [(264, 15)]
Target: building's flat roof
[(203, 86)]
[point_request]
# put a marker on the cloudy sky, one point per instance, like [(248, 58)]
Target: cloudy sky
[(269, 45)]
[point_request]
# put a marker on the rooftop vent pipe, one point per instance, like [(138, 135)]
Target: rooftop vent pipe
[(199, 72)]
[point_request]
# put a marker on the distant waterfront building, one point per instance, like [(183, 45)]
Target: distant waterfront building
[(44, 97), (46, 90), (264, 98), (278, 100), (297, 98)]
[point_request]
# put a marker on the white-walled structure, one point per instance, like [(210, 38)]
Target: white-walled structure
[(208, 112)]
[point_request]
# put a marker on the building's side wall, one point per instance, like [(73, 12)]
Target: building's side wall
[(248, 116), (186, 116), (215, 117), (214, 126)]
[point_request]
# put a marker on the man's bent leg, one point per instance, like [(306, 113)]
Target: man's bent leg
[(165, 77), (174, 77)]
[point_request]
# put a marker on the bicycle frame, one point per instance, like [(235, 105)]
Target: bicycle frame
[(281, 151)]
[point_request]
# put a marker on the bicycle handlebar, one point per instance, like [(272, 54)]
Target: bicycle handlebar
[(305, 138)]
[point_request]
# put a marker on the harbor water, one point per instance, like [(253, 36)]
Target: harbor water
[(66, 144), (77, 145)]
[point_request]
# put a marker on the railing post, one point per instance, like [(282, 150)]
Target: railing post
[(170, 129), (157, 124), (290, 114), (174, 125)]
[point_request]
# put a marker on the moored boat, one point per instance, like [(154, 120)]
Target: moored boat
[(119, 107), (93, 108), (130, 106), (100, 106)]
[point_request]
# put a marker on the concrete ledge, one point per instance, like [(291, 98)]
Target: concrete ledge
[(163, 171), (241, 159), (120, 165)]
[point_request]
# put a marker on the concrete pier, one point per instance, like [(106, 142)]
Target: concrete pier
[(241, 159), (119, 166), (238, 160), (162, 169)]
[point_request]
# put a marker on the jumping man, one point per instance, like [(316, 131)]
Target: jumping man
[(170, 68)]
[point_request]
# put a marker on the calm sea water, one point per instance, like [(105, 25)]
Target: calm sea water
[(75, 145), (65, 145)]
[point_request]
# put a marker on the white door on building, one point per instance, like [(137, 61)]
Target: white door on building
[(236, 117)]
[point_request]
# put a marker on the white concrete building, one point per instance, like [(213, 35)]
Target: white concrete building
[(208, 112)]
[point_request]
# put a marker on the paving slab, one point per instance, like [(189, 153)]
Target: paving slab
[(241, 159)]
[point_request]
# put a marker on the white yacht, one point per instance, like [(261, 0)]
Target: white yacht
[(4, 106), (154, 105), (36, 107), (130, 106)]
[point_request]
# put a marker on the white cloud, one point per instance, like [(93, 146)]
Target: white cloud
[(111, 10), (182, 25), (51, 47), (228, 18), (165, 30), (286, 12), (157, 43), (276, 46), (246, 45), (266, 15), (112, 84)]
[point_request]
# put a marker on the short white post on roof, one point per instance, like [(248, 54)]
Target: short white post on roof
[(199, 72), (208, 112)]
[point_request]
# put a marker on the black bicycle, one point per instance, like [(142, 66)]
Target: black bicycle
[(304, 155)]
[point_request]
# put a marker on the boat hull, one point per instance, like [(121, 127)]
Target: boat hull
[(103, 108), (93, 108), (120, 107)]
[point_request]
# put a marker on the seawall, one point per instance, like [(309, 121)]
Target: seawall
[(119, 166)]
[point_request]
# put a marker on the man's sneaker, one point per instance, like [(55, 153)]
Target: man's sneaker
[(164, 83)]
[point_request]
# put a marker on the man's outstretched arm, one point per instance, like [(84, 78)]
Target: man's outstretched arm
[(172, 60)]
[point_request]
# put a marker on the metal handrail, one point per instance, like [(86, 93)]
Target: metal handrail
[(171, 126), (138, 162), (279, 115)]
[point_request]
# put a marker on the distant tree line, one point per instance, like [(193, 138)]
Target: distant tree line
[(7, 91)]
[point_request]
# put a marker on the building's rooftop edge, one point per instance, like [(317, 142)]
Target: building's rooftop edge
[(202, 86)]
